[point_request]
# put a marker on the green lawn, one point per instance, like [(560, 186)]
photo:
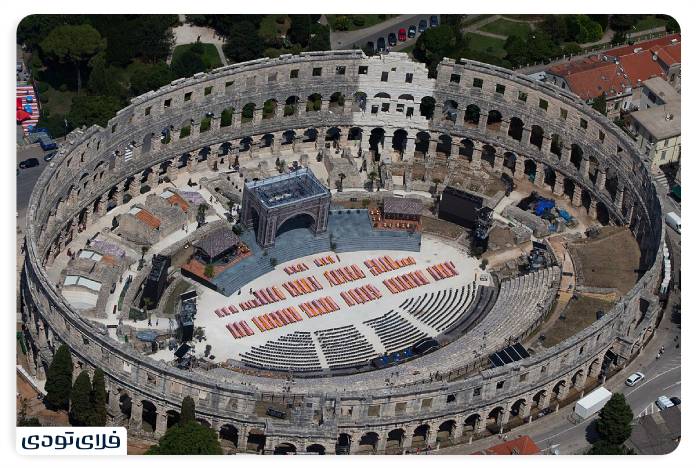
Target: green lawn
[(649, 22), (211, 58), (270, 28), (507, 28), (358, 21), (486, 44)]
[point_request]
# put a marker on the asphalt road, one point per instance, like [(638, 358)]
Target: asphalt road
[(26, 178), (360, 37)]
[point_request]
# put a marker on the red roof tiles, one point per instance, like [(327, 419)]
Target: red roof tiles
[(148, 218), (522, 445)]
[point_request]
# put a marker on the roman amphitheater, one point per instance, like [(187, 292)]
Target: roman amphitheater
[(307, 341)]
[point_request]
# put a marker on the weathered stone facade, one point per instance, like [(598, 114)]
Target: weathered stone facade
[(523, 127)]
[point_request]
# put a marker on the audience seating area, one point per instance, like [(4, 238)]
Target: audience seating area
[(227, 310), (344, 275), (384, 264), (320, 306), (302, 286), (395, 332), (345, 347), (323, 261), (263, 296), (276, 319), (295, 351), (401, 283), (361, 295), (443, 308), (442, 271), (296, 268), (239, 329)]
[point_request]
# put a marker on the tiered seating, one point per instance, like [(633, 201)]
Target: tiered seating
[(443, 308), (442, 271), (302, 286), (345, 346), (296, 268), (361, 295), (276, 319), (401, 283), (395, 332), (323, 261), (381, 265), (263, 296), (227, 310), (320, 306), (239, 329), (295, 351), (344, 275)]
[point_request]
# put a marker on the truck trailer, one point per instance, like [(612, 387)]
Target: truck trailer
[(592, 403)]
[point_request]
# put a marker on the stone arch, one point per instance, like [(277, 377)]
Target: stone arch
[(313, 102), (359, 102), (427, 107), (556, 145), (558, 389), (125, 404), (382, 95), (355, 133), (343, 444), (603, 215), (291, 104), (472, 115), (399, 140), (586, 199), (288, 137), (309, 135), (376, 141), (471, 421), (230, 434), (530, 166), (488, 155), (516, 127), (536, 136), (578, 379), (494, 120), (337, 100), (466, 148), (495, 418), (538, 399), (173, 418), (284, 448), (226, 116), (593, 168), (316, 448), (510, 160), (248, 112), (395, 439), (449, 110), (333, 134), (568, 187), (420, 436), (304, 220), (576, 155), (270, 109), (612, 183), (517, 407), (406, 97), (246, 143), (444, 145), (549, 176), (368, 442), (445, 431), (422, 142), (266, 140), (256, 440), (149, 418)]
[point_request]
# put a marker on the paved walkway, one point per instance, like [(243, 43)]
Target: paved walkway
[(188, 34)]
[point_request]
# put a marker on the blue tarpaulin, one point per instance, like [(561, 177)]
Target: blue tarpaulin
[(565, 215), (543, 205)]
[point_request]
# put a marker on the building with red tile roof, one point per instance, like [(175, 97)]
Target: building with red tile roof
[(148, 218), (618, 73), (523, 445)]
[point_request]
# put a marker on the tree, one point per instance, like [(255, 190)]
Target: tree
[(146, 77), (623, 23), (243, 43), (74, 45), (320, 38), (188, 63), (600, 103), (555, 26), (90, 110), (436, 43), (59, 379), (107, 80), (614, 423), (602, 447), (34, 28), (81, 409), (187, 438), (98, 399), (300, 29), (188, 410)]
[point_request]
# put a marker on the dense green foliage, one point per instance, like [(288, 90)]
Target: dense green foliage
[(81, 409), (600, 104), (59, 379), (98, 398), (73, 44), (572, 28), (243, 42), (613, 427), (188, 410)]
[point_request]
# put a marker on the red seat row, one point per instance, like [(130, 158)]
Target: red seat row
[(302, 286), (442, 271), (320, 306), (383, 264), (344, 275), (262, 297), (225, 311), (298, 267), (323, 261), (276, 319), (405, 282), (239, 329), (361, 295)]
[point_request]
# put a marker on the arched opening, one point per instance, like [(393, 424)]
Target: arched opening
[(538, 401), (399, 140), (406, 97), (536, 137), (420, 436), (568, 187), (256, 440), (444, 145), (382, 96), (466, 149), (300, 221), (585, 199), (248, 112), (576, 155), (449, 110), (288, 137), (316, 448), (488, 155), (291, 104), (245, 143), (578, 379), (333, 134), (427, 107), (445, 431), (395, 440), (530, 168), (359, 102), (343, 444), (226, 117), (603, 215), (368, 442), (593, 169), (422, 142), (269, 109), (310, 135), (149, 416), (558, 390), (284, 448), (314, 102), (509, 161), (472, 114), (494, 420), (266, 140), (229, 434), (515, 130), (557, 145), (173, 418), (549, 176), (612, 183), (125, 404), (518, 407), (376, 140), (494, 121), (337, 101), (355, 133)]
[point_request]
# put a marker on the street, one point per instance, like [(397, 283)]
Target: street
[(26, 178), (360, 37)]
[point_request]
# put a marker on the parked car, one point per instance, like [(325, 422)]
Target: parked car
[(676, 401), (634, 378), (381, 45), (663, 403), (392, 39), (47, 143), (434, 22), (370, 48), (50, 156), (412, 30), (422, 26), (27, 163), (402, 35)]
